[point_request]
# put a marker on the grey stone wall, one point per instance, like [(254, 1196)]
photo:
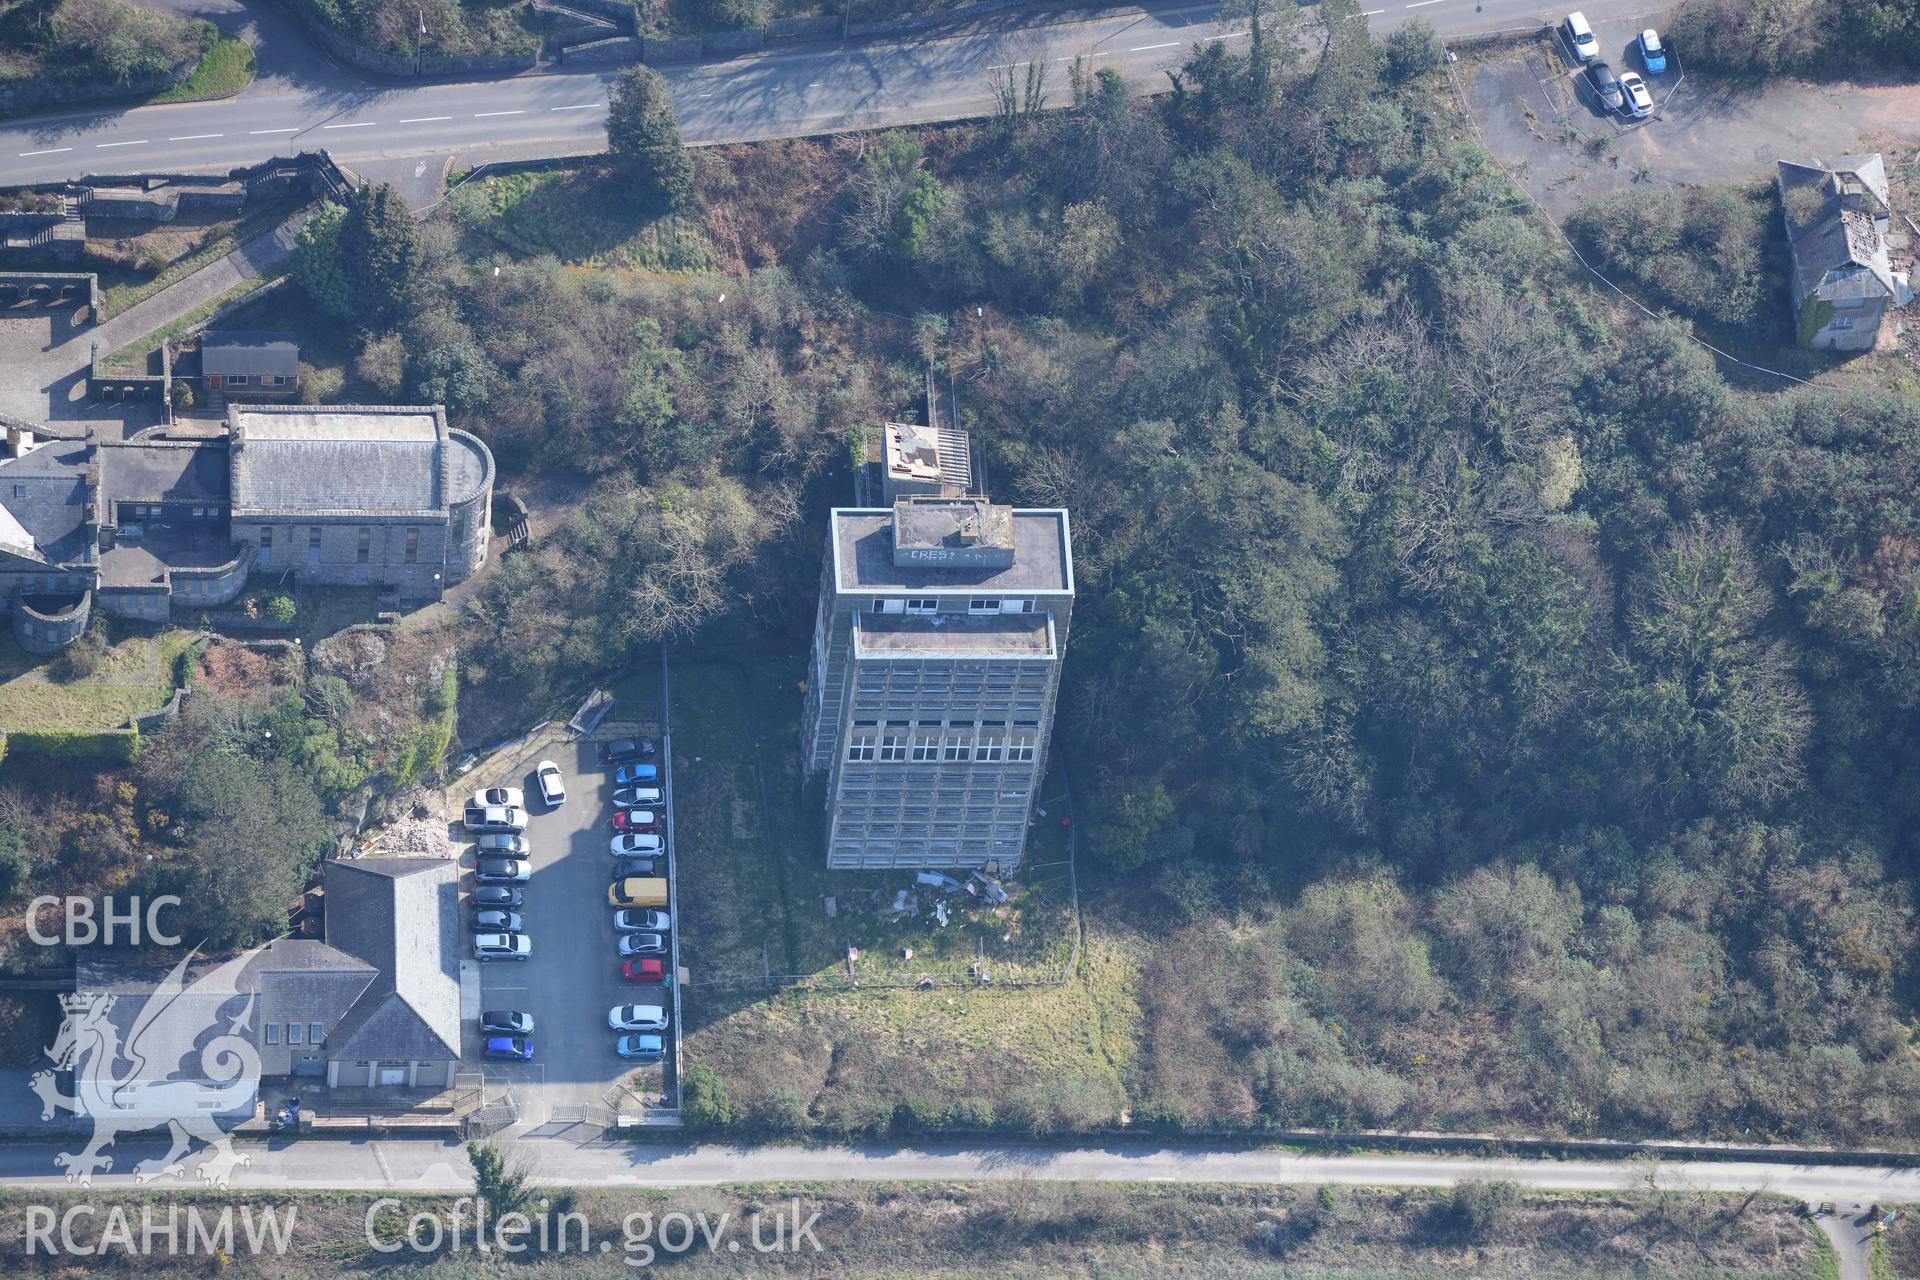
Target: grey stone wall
[(611, 51), (145, 603), (211, 588), (385, 64), (654, 50), (27, 94), (284, 545), (41, 634), (68, 288)]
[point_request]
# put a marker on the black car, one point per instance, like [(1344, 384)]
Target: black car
[(625, 867), (492, 921), (502, 871), (1605, 83), (621, 750), (497, 895), (507, 1022)]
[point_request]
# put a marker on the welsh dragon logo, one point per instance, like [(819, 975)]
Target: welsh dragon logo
[(152, 1094)]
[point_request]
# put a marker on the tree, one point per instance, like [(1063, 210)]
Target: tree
[(704, 1102), (317, 264), (502, 1185), (643, 135), (13, 863), (378, 249)]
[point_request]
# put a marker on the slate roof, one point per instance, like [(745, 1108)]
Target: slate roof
[(305, 980), (343, 460), (152, 472), (45, 496), (1838, 251), (249, 351), (400, 916), (169, 1048)]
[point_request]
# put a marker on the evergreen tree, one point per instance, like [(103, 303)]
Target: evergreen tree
[(643, 135)]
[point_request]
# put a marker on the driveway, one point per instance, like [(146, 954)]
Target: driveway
[(1543, 124), (573, 977)]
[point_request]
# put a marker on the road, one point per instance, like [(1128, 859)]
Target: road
[(301, 102)]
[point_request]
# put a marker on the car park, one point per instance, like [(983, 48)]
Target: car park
[(644, 843), (502, 871), (644, 969), (638, 798), (508, 1022), (502, 946), (497, 895), (637, 891), (642, 944), (641, 1048), (637, 775), (1579, 36), (637, 1017), (510, 1048), (496, 921), (1653, 54), (503, 842), (498, 797), (1606, 86), (496, 818), (642, 921), (636, 820), (1635, 100), (553, 788), (623, 750)]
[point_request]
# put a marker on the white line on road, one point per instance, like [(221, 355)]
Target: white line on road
[(358, 124), (517, 111), (1373, 13), (1421, 4), (1143, 48), (138, 142), (254, 133), (50, 151), (195, 137), (425, 119), (588, 106)]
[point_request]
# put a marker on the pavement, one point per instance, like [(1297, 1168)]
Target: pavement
[(302, 102)]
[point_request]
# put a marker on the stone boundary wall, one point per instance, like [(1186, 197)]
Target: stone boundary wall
[(361, 58), (222, 583), (43, 634), (61, 282), (15, 95), (610, 51)]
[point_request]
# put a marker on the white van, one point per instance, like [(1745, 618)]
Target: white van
[(1580, 36)]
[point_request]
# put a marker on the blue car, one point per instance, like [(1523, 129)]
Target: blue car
[(1653, 56), (512, 1048), (646, 1048), (636, 775)]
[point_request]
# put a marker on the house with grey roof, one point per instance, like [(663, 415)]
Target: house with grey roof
[(375, 1004), (1836, 221), (382, 496), (250, 362)]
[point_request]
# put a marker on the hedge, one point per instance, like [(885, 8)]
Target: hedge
[(107, 746)]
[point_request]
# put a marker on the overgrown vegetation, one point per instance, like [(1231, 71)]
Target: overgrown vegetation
[(1700, 250), (442, 28), (112, 42), (1821, 37)]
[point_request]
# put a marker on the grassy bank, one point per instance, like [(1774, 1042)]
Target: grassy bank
[(225, 70)]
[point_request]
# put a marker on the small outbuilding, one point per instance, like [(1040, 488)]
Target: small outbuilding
[(249, 362)]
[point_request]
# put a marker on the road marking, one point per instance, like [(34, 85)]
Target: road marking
[(1097, 53), (517, 111), (1421, 4), (358, 124), (195, 137), (588, 106), (138, 142), (50, 151), (254, 133), (1231, 35), (1373, 13), (425, 119), (1143, 48)]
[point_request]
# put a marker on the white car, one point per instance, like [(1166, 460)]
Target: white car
[(1580, 36), (637, 1017), (637, 844), (496, 797), (1634, 98), (553, 788), (638, 798)]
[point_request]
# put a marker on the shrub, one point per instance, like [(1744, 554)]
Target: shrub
[(107, 746), (281, 608), (1412, 50), (704, 1103), (1477, 1210), (81, 658)]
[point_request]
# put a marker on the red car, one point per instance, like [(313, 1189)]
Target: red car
[(636, 820), (644, 969)]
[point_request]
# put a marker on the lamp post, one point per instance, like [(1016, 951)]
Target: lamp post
[(419, 38)]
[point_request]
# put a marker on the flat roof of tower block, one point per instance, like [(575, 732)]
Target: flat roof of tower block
[(863, 556), (952, 635)]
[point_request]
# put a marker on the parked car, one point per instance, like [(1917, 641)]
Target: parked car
[(512, 1048), (637, 867), (497, 895), (495, 921), (642, 920), (495, 797), (636, 820), (647, 1048), (1653, 54), (644, 969), (1580, 36), (496, 817), (502, 946), (1635, 100), (502, 871), (637, 891), (645, 843), (553, 788), (637, 1017), (1605, 86), (638, 798), (637, 775), (642, 944), (509, 1022), (622, 750), (503, 842)]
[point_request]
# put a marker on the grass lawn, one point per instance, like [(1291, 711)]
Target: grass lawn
[(226, 69), (1896, 1251), (136, 677), (326, 346), (580, 218), (140, 357)]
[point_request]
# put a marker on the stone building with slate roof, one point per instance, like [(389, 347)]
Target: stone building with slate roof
[(1843, 281), (381, 496), (250, 362)]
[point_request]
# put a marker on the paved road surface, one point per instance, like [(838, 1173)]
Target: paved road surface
[(301, 102)]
